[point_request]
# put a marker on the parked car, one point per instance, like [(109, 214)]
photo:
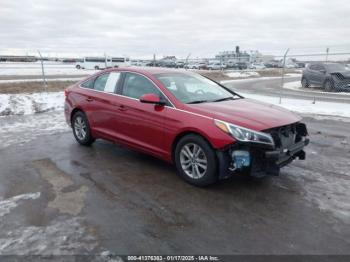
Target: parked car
[(271, 64), (192, 66), (180, 64), (257, 66), (300, 64), (330, 76), (208, 131), (216, 65), (240, 66)]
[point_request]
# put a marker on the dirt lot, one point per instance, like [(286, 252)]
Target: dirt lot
[(33, 87)]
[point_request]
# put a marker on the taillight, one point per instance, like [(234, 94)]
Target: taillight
[(65, 92)]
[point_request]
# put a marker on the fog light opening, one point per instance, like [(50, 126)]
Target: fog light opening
[(240, 160)]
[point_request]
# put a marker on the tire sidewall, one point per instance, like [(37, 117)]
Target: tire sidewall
[(304, 83), (88, 138), (210, 176), (328, 86)]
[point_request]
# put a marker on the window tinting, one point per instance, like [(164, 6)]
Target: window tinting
[(88, 84), (100, 82), (136, 85)]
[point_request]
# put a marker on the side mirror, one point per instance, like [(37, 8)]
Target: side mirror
[(151, 99)]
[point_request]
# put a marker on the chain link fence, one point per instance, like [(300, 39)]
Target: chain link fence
[(316, 73)]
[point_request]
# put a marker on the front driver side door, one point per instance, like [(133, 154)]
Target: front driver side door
[(141, 125)]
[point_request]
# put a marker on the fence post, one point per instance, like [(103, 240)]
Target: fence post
[(42, 69), (282, 78), (186, 61)]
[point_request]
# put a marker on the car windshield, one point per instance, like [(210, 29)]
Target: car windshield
[(335, 67), (192, 88)]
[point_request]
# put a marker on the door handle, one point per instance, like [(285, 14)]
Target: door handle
[(89, 99), (122, 108)]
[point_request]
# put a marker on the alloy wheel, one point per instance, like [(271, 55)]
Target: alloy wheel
[(80, 128), (193, 160)]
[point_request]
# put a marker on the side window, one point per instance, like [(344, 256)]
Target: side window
[(318, 67), (321, 68), (89, 83), (100, 82), (312, 67), (136, 85)]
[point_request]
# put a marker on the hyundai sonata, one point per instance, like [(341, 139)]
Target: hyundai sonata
[(208, 131)]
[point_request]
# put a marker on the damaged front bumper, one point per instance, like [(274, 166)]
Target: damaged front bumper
[(262, 160)]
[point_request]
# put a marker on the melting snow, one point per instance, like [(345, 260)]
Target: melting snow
[(8, 204)]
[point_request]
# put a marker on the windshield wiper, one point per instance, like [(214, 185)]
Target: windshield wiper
[(224, 99), (197, 101)]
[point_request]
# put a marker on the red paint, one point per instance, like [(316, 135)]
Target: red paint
[(152, 128)]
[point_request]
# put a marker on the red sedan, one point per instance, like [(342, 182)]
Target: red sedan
[(208, 131)]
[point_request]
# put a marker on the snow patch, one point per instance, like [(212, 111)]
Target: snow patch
[(35, 69), (243, 74), (66, 237), (306, 106), (40, 80), (25, 104), (8, 204), (296, 85), (19, 129)]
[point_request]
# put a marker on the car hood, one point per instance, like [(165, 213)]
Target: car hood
[(345, 74), (247, 113)]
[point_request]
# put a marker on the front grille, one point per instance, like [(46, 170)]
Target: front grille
[(285, 136)]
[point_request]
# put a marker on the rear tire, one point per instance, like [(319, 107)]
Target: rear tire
[(78, 67), (196, 161), (81, 129), (328, 86), (97, 68), (305, 83)]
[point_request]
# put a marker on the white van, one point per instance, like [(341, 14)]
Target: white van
[(94, 63), (97, 63)]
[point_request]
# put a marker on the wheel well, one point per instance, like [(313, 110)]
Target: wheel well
[(327, 80), (181, 135), (73, 112)]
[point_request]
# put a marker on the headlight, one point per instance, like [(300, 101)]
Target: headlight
[(244, 134)]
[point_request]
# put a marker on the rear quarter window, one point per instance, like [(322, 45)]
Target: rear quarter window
[(88, 84)]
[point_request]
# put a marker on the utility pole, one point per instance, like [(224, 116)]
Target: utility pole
[(327, 52), (282, 78), (42, 69), (186, 61)]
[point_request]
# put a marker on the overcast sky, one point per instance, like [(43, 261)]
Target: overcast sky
[(200, 27)]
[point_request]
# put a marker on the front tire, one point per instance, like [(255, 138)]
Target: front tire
[(196, 161), (78, 67), (305, 83), (81, 129), (97, 68), (328, 86)]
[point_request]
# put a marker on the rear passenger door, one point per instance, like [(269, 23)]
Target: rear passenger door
[(103, 104)]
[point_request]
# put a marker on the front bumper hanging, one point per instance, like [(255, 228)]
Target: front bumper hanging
[(261, 160)]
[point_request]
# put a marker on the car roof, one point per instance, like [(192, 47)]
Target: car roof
[(149, 70)]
